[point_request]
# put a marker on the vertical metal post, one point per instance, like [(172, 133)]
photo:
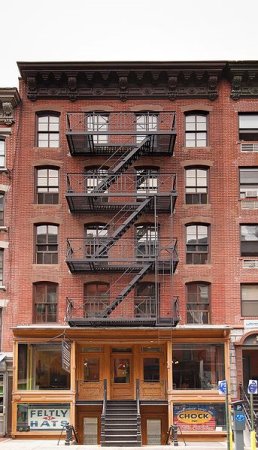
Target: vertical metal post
[(252, 433), (229, 437)]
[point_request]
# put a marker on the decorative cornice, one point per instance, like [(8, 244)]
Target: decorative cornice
[(127, 80), (130, 80), (9, 99)]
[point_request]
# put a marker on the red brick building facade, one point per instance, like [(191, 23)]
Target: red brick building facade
[(133, 247)]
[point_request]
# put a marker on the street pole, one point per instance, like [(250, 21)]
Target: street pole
[(252, 433), (229, 435)]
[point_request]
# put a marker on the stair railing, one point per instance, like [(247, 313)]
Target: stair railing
[(104, 410), (139, 434), (246, 407)]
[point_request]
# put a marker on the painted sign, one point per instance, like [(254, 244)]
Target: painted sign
[(48, 418), (194, 419), (66, 356)]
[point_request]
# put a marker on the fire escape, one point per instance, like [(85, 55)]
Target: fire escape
[(112, 188)]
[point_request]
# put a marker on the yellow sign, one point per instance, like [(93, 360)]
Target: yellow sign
[(191, 416)]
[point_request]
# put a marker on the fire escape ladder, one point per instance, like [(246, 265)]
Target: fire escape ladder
[(123, 228), (120, 167), (125, 291)]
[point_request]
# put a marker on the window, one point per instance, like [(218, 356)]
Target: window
[(1, 267), (98, 122), (198, 302), (45, 302), (248, 177), (196, 130), (146, 240), (248, 127), (145, 122), (91, 369), (2, 152), (196, 186), (40, 367), (147, 181), (37, 417), (94, 177), (96, 235), (48, 130), (47, 185), (197, 247), (96, 298), (46, 244), (145, 300), (198, 366), (1, 210), (249, 240), (249, 299)]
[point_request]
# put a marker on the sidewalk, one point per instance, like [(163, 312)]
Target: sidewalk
[(18, 444)]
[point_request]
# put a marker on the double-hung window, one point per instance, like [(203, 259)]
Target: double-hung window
[(47, 185), (197, 245), (196, 185), (97, 123), (48, 130), (2, 152), (248, 126), (196, 129), (145, 122), (198, 294), (1, 267), (249, 240), (248, 177), (249, 299), (46, 244), (45, 302)]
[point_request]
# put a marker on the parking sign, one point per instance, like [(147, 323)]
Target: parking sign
[(252, 387), (222, 387)]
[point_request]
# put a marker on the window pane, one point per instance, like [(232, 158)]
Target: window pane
[(248, 121), (151, 369), (91, 369)]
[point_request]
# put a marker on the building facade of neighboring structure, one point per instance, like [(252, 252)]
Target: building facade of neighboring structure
[(9, 101), (134, 248)]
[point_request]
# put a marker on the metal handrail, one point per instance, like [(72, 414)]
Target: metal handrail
[(104, 410), (138, 411)]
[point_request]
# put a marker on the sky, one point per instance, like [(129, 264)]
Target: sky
[(125, 30)]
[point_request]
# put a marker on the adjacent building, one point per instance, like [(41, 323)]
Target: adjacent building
[(132, 265)]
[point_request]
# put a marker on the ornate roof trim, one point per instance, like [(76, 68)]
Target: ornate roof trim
[(9, 99), (145, 80)]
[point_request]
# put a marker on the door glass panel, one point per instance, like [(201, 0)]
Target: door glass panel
[(91, 369), (121, 370), (153, 431), (151, 369), (90, 430)]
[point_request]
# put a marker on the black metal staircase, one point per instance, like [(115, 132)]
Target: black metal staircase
[(120, 167), (121, 425), (126, 290)]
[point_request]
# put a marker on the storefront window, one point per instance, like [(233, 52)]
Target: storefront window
[(200, 416), (40, 416), (197, 366), (40, 367)]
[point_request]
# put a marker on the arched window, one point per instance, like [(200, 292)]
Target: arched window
[(95, 236), (45, 302), (46, 244), (146, 180), (196, 185), (145, 121), (197, 244), (145, 300), (48, 129), (196, 129), (47, 185), (96, 298), (95, 175), (198, 302), (2, 152), (98, 122), (146, 240)]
